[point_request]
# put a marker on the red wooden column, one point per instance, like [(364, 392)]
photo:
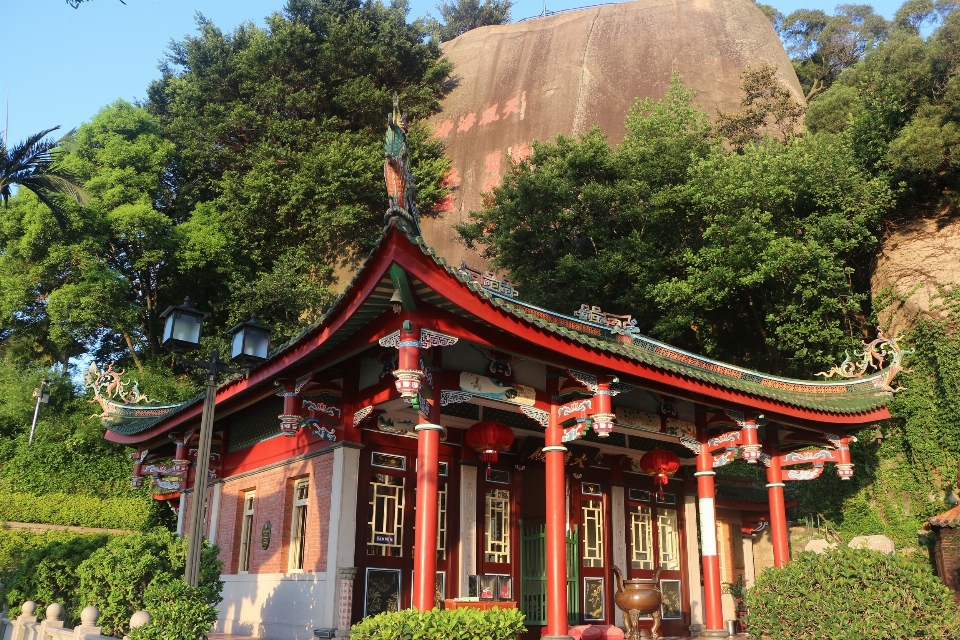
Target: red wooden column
[(554, 453), (712, 605), (778, 511), (409, 379)]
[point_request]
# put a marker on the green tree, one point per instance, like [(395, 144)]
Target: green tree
[(759, 258), (97, 289), (31, 165), (822, 46), (276, 184), (460, 16)]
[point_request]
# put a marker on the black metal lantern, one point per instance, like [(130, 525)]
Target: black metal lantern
[(250, 342), (181, 333)]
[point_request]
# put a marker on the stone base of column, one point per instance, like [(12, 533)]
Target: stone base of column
[(714, 633), (556, 637)]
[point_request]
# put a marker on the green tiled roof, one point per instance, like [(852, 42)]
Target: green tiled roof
[(855, 396)]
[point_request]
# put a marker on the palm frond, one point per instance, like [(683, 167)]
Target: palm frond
[(31, 164), (48, 198)]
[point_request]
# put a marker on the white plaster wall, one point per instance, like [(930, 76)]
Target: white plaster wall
[(691, 530), (342, 529), (468, 527), (749, 571), (274, 606)]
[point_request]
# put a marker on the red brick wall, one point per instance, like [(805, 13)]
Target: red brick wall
[(273, 503)]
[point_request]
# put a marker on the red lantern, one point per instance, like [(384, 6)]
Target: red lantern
[(661, 465), (489, 439)]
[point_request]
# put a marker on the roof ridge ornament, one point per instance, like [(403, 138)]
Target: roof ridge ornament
[(398, 174), (873, 356)]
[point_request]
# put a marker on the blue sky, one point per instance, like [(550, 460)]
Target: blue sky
[(59, 65)]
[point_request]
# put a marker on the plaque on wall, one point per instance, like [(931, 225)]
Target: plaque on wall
[(593, 598), (671, 607), (382, 591), (265, 535)]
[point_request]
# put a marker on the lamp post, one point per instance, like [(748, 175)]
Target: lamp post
[(250, 343), (42, 398)]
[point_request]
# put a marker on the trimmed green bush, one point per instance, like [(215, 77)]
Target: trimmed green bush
[(851, 594), (117, 577), (455, 624), (44, 569), (77, 510), (180, 612)]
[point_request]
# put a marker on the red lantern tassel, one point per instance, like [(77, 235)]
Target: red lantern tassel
[(661, 481)]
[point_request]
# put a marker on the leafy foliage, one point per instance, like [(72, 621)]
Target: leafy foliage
[(277, 181), (117, 577), (460, 16), (45, 570), (119, 574), (758, 258), (455, 624), (76, 510), (848, 594), (822, 46), (31, 165), (179, 612)]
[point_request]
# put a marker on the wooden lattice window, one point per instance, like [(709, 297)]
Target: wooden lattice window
[(592, 511), (668, 532), (641, 532), (496, 534), (442, 522), (385, 527)]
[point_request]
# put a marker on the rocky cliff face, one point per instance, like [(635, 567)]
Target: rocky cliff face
[(566, 73), (916, 258)]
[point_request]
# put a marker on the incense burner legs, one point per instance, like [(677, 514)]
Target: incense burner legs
[(638, 598)]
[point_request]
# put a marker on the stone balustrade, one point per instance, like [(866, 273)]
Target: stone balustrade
[(26, 626)]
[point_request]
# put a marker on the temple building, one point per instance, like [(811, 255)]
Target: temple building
[(434, 437)]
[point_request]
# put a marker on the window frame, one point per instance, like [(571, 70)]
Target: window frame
[(246, 531), (298, 527)]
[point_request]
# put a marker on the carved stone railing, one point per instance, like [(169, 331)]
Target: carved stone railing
[(26, 626)]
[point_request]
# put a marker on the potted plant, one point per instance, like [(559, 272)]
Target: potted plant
[(738, 591)]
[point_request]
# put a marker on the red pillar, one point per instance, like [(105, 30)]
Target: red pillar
[(554, 453), (428, 459), (778, 511), (706, 494)]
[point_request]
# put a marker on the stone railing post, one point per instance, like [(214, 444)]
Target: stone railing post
[(139, 619), (88, 623), (26, 617), (52, 619)]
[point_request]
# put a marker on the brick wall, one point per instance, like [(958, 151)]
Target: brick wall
[(273, 503)]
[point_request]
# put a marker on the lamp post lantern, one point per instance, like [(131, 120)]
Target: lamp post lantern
[(250, 345), (42, 398)]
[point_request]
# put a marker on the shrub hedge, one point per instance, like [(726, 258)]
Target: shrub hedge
[(77, 510), (179, 611), (851, 594), (44, 569), (454, 624), (113, 572)]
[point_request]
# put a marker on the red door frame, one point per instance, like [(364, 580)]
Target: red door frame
[(375, 441), (673, 627)]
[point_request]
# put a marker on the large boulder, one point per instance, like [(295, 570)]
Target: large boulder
[(565, 73)]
